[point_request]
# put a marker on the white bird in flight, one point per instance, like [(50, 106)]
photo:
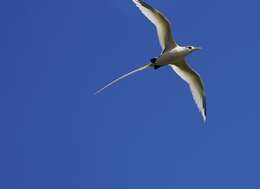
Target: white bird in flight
[(172, 55)]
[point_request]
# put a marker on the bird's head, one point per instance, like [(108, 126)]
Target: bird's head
[(191, 49)]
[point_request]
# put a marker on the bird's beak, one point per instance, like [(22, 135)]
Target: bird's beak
[(197, 48)]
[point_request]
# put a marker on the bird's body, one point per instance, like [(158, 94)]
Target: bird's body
[(172, 54)]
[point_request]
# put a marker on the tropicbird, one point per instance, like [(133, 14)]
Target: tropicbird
[(172, 55)]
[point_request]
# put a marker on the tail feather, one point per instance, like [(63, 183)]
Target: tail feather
[(124, 76)]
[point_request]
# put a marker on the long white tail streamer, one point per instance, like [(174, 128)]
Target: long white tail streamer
[(124, 76)]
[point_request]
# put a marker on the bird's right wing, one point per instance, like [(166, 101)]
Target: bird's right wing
[(162, 24), (195, 84), (124, 76)]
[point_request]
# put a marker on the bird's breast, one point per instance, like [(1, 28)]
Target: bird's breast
[(169, 58)]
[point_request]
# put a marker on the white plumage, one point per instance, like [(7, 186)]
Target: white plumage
[(172, 54)]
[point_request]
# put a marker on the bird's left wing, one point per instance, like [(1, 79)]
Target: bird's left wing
[(162, 24), (195, 83)]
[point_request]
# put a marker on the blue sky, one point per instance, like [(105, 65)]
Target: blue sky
[(145, 132)]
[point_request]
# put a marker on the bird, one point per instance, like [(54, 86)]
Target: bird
[(172, 55)]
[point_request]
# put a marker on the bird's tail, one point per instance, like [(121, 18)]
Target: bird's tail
[(124, 76)]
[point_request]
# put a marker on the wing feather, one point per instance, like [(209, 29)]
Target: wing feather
[(196, 85), (162, 24)]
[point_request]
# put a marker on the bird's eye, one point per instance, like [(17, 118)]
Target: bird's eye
[(190, 47)]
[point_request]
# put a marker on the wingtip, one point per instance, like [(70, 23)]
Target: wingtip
[(204, 117), (204, 113), (137, 2)]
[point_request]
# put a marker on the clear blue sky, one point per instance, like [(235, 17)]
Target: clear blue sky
[(145, 132)]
